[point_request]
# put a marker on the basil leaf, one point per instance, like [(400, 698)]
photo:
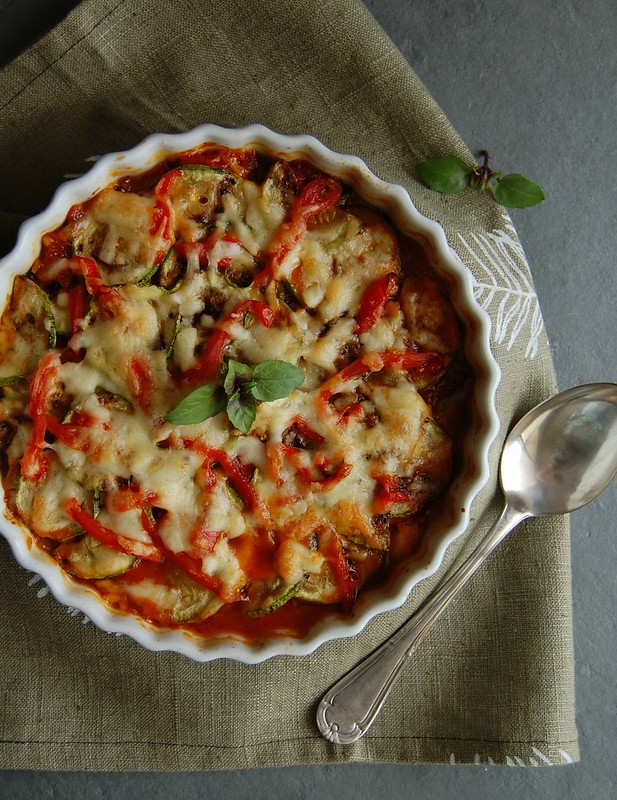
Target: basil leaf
[(517, 191), (205, 402), (237, 375), (447, 174), (275, 379), (242, 410)]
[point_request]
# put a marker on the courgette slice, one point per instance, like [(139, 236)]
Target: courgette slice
[(195, 196), (240, 272), (321, 588), (279, 599), (146, 279), (117, 232), (114, 401), (11, 380), (277, 188), (169, 353), (288, 296), (88, 558), (180, 599), (27, 329), (40, 503), (50, 320), (171, 272)]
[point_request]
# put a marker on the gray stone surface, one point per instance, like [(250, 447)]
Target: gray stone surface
[(535, 82)]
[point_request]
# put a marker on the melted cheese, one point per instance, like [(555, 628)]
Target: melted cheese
[(305, 478)]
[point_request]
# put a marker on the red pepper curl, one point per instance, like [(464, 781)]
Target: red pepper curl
[(34, 464), (236, 475), (141, 381), (109, 299), (74, 433), (373, 302), (189, 564), (315, 197), (427, 362), (214, 349), (108, 537)]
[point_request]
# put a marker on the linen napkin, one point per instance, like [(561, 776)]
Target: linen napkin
[(493, 683)]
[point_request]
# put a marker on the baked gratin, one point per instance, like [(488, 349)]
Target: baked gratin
[(232, 394)]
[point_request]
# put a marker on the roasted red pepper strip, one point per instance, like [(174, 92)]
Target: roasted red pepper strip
[(300, 425), (109, 299), (331, 471), (389, 493), (262, 311), (204, 249), (73, 433), (204, 539), (187, 563), (242, 162), (373, 301), (78, 305), (129, 498), (331, 546), (236, 476), (162, 216), (316, 197), (210, 359), (108, 537), (141, 381), (212, 355), (34, 464), (374, 362)]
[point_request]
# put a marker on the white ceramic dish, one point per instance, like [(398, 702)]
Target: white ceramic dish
[(395, 201)]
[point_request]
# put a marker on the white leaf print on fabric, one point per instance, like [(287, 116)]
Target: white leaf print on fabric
[(502, 286)]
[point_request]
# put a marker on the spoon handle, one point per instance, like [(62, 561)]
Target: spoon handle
[(350, 707)]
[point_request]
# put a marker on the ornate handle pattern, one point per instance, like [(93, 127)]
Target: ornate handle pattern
[(350, 707)]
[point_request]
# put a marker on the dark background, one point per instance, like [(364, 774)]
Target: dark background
[(535, 82)]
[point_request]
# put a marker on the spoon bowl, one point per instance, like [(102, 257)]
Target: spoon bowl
[(557, 458), (562, 453)]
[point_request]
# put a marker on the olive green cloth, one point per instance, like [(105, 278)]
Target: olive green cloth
[(494, 680)]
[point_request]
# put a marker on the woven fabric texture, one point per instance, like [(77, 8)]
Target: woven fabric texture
[(494, 680)]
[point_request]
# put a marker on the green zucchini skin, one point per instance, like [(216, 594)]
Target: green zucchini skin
[(40, 505), (89, 559)]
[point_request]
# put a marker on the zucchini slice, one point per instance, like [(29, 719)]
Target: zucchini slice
[(88, 558), (278, 599), (321, 588), (195, 197), (277, 188), (28, 327), (116, 231), (169, 352), (178, 600), (113, 401), (288, 296), (171, 272), (40, 504), (11, 380)]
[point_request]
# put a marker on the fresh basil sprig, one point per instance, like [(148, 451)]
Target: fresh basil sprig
[(239, 393), (450, 175)]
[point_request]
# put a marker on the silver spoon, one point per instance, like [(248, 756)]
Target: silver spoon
[(559, 457)]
